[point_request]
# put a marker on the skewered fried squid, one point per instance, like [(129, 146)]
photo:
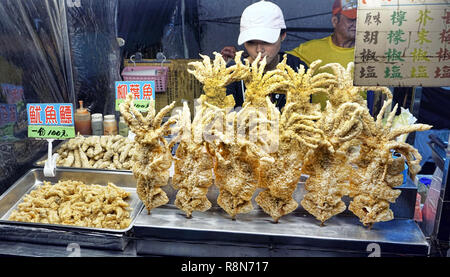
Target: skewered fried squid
[(152, 157), (298, 134), (216, 76), (379, 172), (238, 151), (342, 121), (193, 164), (238, 161), (193, 167), (348, 125)]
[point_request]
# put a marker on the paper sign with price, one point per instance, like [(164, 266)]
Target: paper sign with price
[(143, 92), (50, 121)]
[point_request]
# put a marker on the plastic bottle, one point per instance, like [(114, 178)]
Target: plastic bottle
[(110, 125), (123, 127), (97, 124), (82, 120)]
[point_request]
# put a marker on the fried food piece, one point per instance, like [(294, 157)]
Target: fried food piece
[(216, 76), (259, 84), (241, 155), (378, 172), (298, 134), (152, 157), (327, 166), (96, 152), (237, 157), (75, 203), (193, 165), (348, 125), (238, 162)]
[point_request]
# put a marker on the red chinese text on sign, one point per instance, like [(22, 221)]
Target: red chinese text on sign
[(35, 115), (134, 89), (122, 91), (147, 91), (65, 114), (50, 115)]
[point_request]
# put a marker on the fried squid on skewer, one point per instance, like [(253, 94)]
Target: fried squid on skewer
[(298, 134), (152, 157)]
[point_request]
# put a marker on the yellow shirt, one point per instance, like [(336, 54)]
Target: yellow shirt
[(325, 50)]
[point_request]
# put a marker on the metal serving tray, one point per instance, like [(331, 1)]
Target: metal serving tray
[(167, 231), (15, 194)]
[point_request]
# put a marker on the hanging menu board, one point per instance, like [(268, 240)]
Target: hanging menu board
[(403, 43)]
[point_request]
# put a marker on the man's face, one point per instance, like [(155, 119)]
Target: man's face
[(268, 50), (344, 26)]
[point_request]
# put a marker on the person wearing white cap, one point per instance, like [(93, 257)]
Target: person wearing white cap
[(262, 30)]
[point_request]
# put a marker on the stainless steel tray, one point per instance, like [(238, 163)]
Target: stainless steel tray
[(167, 231), (14, 195)]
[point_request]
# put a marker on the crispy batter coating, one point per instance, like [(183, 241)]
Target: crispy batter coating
[(103, 152), (193, 165), (75, 203), (152, 157), (348, 125), (342, 149), (343, 120), (238, 161), (216, 76), (260, 84), (237, 151), (378, 172), (298, 134)]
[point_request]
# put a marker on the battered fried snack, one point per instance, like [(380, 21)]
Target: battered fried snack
[(379, 172), (152, 157), (216, 76), (259, 85), (242, 155), (238, 161), (75, 203), (193, 164), (102, 152), (348, 126), (328, 168), (298, 134)]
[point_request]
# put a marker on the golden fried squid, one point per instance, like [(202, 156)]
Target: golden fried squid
[(239, 155), (298, 134), (328, 168), (243, 145), (193, 163), (378, 171), (348, 125), (216, 76), (152, 157)]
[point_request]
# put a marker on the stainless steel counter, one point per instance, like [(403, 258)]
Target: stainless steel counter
[(168, 232)]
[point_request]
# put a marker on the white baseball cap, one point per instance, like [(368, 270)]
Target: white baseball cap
[(261, 21)]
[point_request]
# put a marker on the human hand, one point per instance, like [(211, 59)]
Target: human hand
[(228, 53)]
